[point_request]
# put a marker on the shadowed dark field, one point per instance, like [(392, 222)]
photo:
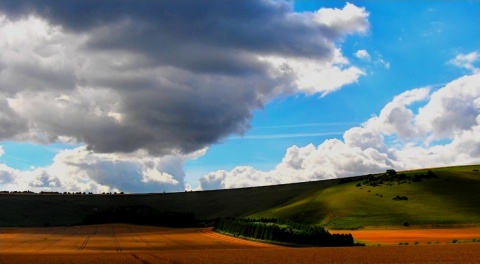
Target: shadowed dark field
[(58, 209)]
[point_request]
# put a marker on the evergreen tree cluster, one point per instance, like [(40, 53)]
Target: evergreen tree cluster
[(388, 178), (278, 230)]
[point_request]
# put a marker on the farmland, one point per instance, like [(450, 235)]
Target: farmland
[(120, 243), (115, 238), (422, 219), (426, 236)]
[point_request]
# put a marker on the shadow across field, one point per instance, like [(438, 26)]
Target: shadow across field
[(58, 210), (450, 198)]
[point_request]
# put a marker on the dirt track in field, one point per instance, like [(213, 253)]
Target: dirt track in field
[(118, 243)]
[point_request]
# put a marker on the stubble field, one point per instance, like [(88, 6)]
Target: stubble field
[(119, 243)]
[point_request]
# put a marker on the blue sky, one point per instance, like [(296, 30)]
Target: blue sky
[(415, 38), (103, 128)]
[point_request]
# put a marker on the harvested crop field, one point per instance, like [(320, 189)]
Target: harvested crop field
[(418, 236), (115, 238), (118, 243)]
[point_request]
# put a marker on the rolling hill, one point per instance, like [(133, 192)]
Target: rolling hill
[(448, 199), (443, 196)]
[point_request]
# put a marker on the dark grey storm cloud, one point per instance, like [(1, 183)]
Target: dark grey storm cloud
[(165, 76), (10, 122), (201, 36)]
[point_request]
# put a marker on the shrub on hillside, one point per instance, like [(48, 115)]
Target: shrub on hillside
[(400, 198)]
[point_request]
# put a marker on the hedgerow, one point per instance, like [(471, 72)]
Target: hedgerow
[(279, 230)]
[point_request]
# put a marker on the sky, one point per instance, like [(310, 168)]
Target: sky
[(167, 96)]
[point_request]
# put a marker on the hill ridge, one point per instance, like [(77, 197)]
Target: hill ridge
[(448, 199)]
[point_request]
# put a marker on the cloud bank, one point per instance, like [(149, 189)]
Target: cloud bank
[(82, 170), (443, 131), (150, 83), (418, 128), (145, 86), (163, 76)]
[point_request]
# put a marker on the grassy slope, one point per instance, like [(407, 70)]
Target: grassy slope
[(450, 199), (37, 210)]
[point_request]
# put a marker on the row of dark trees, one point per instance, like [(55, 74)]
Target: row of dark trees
[(16, 191), (47, 192), (277, 230), (388, 177)]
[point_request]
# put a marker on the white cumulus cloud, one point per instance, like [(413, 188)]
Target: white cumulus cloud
[(467, 61), (452, 109), (400, 137), (362, 54), (82, 170)]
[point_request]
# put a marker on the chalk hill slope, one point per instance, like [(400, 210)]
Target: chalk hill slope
[(443, 196)]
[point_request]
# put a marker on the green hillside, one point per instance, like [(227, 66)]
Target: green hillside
[(451, 197)]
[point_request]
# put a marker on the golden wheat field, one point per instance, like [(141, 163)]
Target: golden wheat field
[(120, 243)]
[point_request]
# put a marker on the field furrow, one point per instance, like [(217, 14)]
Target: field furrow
[(114, 236), (87, 239), (138, 239)]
